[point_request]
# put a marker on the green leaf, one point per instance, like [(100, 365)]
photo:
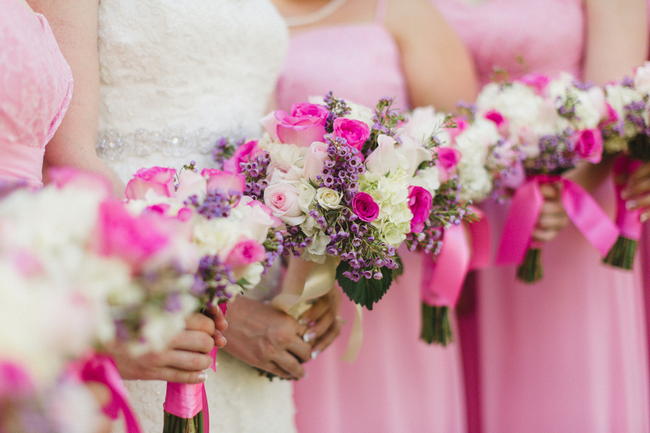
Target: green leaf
[(364, 292)]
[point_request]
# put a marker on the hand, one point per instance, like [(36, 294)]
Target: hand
[(552, 218), (266, 338), (637, 191), (323, 322), (220, 324), (185, 361), (102, 396)]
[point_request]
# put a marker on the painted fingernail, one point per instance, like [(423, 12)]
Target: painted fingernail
[(203, 376), (645, 217), (631, 204), (308, 337), (303, 322), (315, 354), (312, 323)]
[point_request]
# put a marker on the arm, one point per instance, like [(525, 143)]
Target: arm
[(437, 66), (75, 26)]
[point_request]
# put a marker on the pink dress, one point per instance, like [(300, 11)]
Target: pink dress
[(35, 90), (568, 354), (398, 384)]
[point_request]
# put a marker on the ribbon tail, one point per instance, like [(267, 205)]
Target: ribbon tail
[(588, 217), (479, 232), (522, 218), (356, 336)]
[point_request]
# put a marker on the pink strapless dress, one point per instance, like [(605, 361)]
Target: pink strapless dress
[(35, 91), (398, 384), (568, 354)]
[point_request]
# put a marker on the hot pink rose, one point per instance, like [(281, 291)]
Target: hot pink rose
[(245, 252), (355, 132), (537, 81), (303, 125), (132, 239), (315, 159), (420, 203), (461, 125), (224, 182), (244, 153), (282, 199), (365, 207), (448, 159), (589, 145), (160, 180), (497, 118), (63, 176)]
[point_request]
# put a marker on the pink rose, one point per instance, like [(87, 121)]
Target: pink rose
[(461, 125), (224, 182), (160, 180), (365, 207), (420, 203), (184, 214), (132, 239), (612, 115), (536, 81), (448, 159), (315, 159), (190, 183), (244, 153), (497, 118), (355, 132), (64, 176), (245, 253), (282, 199), (303, 126), (589, 145)]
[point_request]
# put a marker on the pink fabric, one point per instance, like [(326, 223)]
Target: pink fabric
[(567, 354), (398, 384), (35, 90)]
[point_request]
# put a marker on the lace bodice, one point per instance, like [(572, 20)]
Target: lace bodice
[(35, 90), (175, 76)]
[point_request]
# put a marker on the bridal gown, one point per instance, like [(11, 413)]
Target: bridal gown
[(176, 76)]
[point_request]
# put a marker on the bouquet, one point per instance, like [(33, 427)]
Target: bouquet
[(625, 132), (234, 235), (553, 125)]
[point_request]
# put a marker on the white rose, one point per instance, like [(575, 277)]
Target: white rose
[(642, 78), (306, 196), (327, 198), (318, 245)]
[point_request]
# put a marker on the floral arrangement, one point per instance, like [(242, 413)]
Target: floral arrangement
[(550, 126)]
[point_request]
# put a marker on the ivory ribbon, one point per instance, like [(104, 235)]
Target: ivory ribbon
[(526, 206), (187, 400), (628, 221), (101, 369), (305, 282)]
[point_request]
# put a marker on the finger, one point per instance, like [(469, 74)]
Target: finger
[(178, 376), (187, 361), (315, 312), (193, 341), (640, 173), (300, 349), (552, 222), (200, 322), (275, 369), (638, 203), (327, 339), (220, 340), (322, 325), (544, 235), (220, 322), (645, 216), (552, 208), (636, 189), (550, 191), (290, 364)]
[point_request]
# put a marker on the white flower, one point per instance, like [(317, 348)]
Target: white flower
[(429, 179), (642, 79), (306, 196), (327, 198)]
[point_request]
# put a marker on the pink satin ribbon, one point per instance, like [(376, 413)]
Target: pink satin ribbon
[(187, 400), (102, 369), (526, 206), (24, 163), (442, 280), (628, 221)]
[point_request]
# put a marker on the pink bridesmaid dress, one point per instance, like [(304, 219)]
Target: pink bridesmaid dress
[(398, 384), (567, 354), (35, 90)]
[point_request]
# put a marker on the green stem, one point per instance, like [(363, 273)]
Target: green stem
[(531, 269), (622, 253), (436, 325)]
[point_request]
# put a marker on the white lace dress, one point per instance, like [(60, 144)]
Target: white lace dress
[(175, 76)]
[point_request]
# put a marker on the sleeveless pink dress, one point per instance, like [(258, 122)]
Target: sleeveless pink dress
[(397, 384), (568, 354), (35, 90)]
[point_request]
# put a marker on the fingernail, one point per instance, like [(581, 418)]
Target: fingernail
[(203, 376), (303, 322), (308, 337), (315, 353), (631, 204), (645, 217), (312, 323)]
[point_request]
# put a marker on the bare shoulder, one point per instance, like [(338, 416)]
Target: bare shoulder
[(404, 18)]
